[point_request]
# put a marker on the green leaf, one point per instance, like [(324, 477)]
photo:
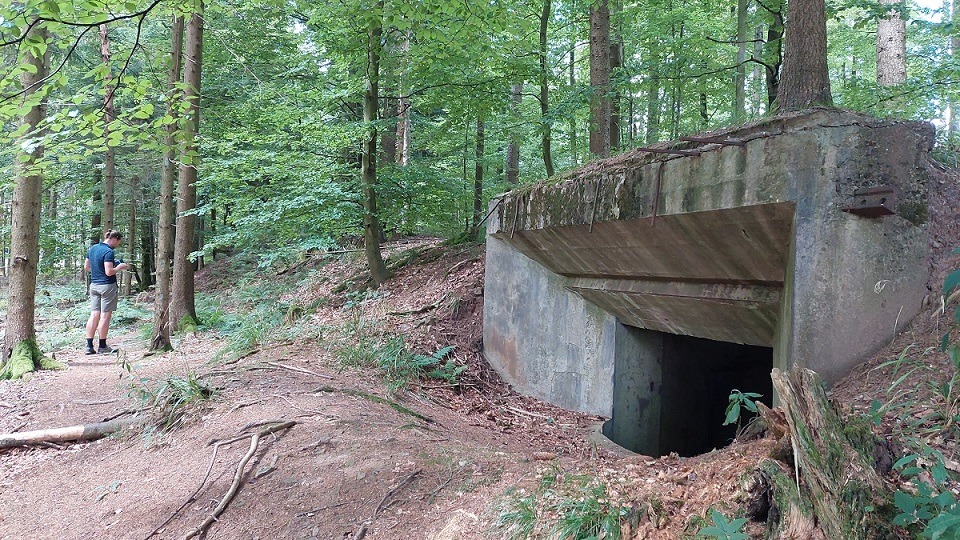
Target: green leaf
[(952, 281)]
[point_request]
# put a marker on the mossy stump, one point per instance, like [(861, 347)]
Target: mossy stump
[(26, 357), (831, 488)]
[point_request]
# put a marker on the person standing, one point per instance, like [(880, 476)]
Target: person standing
[(102, 264)]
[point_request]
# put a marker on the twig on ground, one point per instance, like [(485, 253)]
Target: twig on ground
[(263, 471), (6, 405), (269, 365), (243, 404), (101, 402), (417, 311), (237, 478), (526, 413), (321, 509), (362, 531)]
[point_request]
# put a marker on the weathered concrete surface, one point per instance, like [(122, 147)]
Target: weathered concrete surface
[(743, 244)]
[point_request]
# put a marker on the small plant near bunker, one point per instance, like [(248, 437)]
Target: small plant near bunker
[(739, 401), (724, 529)]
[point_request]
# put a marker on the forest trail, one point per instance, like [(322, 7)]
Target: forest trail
[(431, 462)]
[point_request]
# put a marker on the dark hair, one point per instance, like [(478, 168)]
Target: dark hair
[(112, 234)]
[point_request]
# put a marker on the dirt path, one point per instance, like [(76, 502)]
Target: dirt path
[(348, 462)]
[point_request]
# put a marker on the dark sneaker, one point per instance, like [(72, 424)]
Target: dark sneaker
[(91, 351), (107, 350)]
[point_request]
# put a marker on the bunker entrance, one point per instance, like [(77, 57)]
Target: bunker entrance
[(670, 391)]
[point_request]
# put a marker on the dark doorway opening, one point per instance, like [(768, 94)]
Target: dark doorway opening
[(671, 391)]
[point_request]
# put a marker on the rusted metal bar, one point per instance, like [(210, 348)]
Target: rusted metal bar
[(713, 140), (484, 220), (516, 216), (656, 194), (671, 151), (873, 202)]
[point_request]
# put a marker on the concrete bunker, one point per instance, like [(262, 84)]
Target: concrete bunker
[(642, 287)]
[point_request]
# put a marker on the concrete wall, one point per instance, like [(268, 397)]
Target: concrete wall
[(746, 244), (543, 339)]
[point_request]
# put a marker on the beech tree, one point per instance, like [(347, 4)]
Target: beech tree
[(599, 78), (182, 293), (20, 351)]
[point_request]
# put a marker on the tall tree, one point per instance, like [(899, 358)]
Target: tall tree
[(478, 179), (891, 44), (954, 49), (512, 165), (20, 350), (161, 313), (805, 81), (404, 124), (182, 302), (109, 154), (740, 79), (368, 159), (616, 64), (599, 78), (545, 76)]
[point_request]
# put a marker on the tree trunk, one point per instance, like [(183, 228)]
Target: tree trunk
[(572, 82), (891, 45), (478, 180), (109, 155), (25, 210), (512, 178), (599, 79), (805, 81), (403, 107), (616, 63), (654, 106), (131, 236), (545, 122), (837, 479), (740, 80), (182, 306), (368, 161), (161, 312), (146, 269)]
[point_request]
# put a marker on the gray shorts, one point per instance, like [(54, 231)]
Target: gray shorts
[(104, 297)]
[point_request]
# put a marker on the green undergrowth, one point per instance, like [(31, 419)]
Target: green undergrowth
[(561, 506), (361, 343), (170, 400), (924, 400), (256, 311)]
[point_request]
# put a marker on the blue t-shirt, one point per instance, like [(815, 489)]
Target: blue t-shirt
[(98, 255)]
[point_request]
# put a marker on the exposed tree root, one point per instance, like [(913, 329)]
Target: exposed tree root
[(234, 486)]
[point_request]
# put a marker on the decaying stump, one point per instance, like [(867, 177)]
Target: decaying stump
[(827, 487)]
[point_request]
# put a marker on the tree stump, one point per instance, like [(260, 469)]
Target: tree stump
[(830, 488)]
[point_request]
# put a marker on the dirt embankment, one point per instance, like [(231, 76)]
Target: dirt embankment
[(429, 462)]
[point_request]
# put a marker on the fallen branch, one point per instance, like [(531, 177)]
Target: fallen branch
[(237, 478), (362, 531), (300, 370), (101, 402), (83, 432)]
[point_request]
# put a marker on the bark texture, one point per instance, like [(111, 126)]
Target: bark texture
[(109, 155), (805, 81), (545, 128), (161, 316), (512, 165), (25, 209), (183, 309), (891, 45), (599, 79), (368, 160), (836, 464)]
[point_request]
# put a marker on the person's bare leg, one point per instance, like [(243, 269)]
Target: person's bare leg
[(104, 324), (92, 323)]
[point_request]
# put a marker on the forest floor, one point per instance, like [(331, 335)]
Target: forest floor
[(436, 459)]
